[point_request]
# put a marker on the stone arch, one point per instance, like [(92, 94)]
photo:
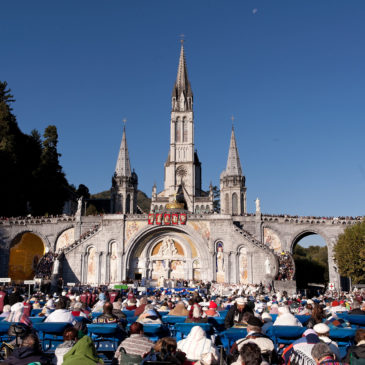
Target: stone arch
[(150, 235), (68, 240), (25, 251)]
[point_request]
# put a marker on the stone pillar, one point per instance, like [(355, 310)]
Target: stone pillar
[(82, 268), (227, 268)]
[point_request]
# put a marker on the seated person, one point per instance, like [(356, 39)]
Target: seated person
[(107, 316), (255, 335), (236, 312), (196, 344), (179, 310), (28, 352), (196, 314), (149, 316), (285, 318), (250, 354), (83, 352), (357, 351), (136, 344), (166, 350), (323, 332), (212, 310), (322, 354), (69, 339), (61, 314)]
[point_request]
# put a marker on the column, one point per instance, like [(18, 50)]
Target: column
[(227, 265)]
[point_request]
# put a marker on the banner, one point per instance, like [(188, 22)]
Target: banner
[(159, 219), (175, 218), (167, 219), (151, 218), (182, 218)]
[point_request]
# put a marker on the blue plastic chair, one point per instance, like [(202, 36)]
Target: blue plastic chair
[(344, 338), (231, 335), (51, 334), (4, 327), (35, 312), (302, 318), (163, 313), (106, 336), (128, 313), (173, 319), (183, 329), (154, 331), (131, 320), (217, 323), (358, 320), (37, 319), (223, 313), (284, 335)]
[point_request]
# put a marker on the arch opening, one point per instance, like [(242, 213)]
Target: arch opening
[(25, 252), (310, 256)]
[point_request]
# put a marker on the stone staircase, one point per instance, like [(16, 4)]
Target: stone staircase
[(85, 236)]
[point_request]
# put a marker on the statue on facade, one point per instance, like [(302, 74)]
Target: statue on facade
[(168, 247), (258, 208), (267, 266), (79, 206)]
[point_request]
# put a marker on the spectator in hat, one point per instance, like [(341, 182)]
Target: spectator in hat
[(255, 335), (149, 316), (179, 310), (212, 310), (323, 332), (322, 354), (98, 307), (236, 312), (6, 311)]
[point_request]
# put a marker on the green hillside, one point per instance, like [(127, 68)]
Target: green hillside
[(143, 201)]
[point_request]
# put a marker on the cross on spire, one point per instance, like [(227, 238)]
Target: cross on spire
[(182, 38), (124, 121)]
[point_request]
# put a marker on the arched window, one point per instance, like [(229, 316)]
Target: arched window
[(185, 130), (226, 203), (178, 130), (234, 204), (128, 204)]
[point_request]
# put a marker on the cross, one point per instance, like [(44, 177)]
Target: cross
[(232, 118), (124, 121), (182, 40)]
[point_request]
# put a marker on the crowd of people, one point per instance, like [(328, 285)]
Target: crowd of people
[(45, 266), (253, 307), (286, 266)]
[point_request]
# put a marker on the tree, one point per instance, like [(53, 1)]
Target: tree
[(350, 252), (83, 191), (216, 199), (51, 186)]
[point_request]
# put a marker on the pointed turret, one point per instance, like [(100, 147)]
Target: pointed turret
[(123, 166), (233, 167), (124, 182), (232, 182)]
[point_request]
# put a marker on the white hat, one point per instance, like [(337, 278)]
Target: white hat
[(310, 301), (241, 301), (321, 328)]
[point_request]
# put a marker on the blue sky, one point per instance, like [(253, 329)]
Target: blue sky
[(291, 72)]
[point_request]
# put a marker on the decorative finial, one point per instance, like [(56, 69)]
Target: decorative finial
[(124, 121), (182, 40), (232, 118)]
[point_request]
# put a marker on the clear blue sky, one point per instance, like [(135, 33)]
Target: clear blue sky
[(291, 72)]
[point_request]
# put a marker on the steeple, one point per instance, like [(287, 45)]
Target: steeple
[(182, 95), (123, 166), (233, 167)]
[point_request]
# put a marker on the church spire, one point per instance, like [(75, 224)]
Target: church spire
[(123, 166), (233, 167), (182, 94)]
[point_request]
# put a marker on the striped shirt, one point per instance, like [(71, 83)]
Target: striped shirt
[(136, 344)]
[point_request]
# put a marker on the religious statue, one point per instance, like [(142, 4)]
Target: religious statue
[(267, 266), (257, 202), (220, 259), (168, 247), (56, 267), (79, 205)]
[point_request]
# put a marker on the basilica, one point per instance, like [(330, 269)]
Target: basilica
[(183, 236)]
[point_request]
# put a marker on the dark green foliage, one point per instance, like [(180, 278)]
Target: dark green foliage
[(32, 179), (143, 201), (103, 195), (216, 202), (350, 253), (83, 191), (311, 265)]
